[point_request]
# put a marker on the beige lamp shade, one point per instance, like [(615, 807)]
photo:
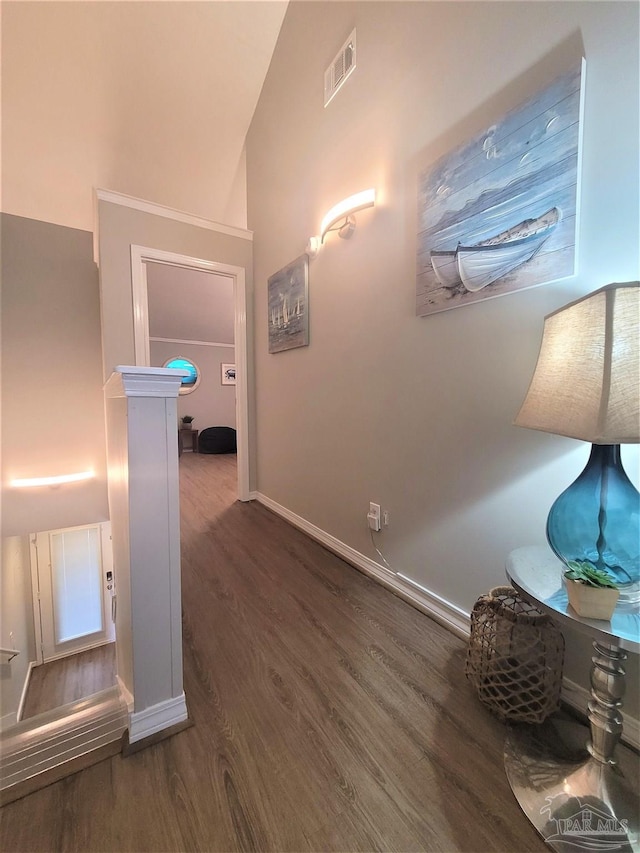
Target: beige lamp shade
[(586, 383)]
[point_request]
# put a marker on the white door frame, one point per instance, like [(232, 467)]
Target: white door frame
[(41, 593), (140, 256)]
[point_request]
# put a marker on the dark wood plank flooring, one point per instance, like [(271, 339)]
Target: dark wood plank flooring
[(75, 677), (329, 714)]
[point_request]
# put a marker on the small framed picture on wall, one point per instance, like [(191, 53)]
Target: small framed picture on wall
[(228, 374), (289, 306)]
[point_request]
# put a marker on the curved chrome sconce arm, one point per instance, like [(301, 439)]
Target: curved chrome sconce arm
[(341, 218), (345, 210)]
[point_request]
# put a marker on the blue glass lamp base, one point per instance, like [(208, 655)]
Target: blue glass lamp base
[(598, 519)]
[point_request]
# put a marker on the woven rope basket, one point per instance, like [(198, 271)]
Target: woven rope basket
[(515, 657)]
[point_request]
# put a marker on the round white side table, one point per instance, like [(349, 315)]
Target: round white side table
[(578, 786)]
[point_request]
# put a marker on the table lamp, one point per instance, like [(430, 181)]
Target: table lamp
[(586, 386)]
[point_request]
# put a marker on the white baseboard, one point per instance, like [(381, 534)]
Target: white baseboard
[(161, 716), (62, 655), (433, 605), (443, 611)]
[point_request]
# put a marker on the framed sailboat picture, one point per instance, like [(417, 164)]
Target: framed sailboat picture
[(288, 308), (499, 214)]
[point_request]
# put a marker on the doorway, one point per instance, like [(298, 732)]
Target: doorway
[(73, 598), (73, 590), (142, 256)]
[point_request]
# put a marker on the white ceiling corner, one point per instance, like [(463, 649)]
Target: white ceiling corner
[(153, 100)]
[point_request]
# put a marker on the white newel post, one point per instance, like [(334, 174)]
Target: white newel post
[(142, 452)]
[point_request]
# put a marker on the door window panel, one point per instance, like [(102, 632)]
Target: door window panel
[(77, 583)]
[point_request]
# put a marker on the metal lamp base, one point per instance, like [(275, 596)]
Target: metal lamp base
[(575, 801)]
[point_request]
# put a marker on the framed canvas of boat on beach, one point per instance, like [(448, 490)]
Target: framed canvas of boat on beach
[(499, 213), (288, 308)]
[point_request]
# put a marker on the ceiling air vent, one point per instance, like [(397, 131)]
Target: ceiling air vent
[(340, 68)]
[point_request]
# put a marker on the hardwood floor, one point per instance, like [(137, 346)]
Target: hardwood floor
[(75, 677), (329, 715)]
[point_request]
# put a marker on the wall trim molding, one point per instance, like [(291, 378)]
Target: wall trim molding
[(142, 724), (433, 605), (161, 210), (190, 343), (443, 611)]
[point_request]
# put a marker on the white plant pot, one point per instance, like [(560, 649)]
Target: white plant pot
[(590, 601)]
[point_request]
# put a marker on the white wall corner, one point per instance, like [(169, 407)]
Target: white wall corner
[(96, 229), (158, 717)]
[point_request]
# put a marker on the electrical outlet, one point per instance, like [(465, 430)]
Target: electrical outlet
[(385, 518), (373, 518)]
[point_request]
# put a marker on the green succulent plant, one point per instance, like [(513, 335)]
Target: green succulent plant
[(585, 572), (187, 419)]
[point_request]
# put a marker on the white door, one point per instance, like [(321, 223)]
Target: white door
[(74, 593)]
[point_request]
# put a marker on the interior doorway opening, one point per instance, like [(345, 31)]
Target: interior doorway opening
[(73, 590), (142, 258), (191, 327)]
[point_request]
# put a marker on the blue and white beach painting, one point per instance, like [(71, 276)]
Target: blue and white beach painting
[(499, 213), (288, 306)]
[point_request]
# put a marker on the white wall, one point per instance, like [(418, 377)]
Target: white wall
[(16, 624), (119, 228), (149, 99), (52, 408), (416, 414), (190, 304)]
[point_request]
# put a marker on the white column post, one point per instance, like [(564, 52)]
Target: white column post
[(142, 453)]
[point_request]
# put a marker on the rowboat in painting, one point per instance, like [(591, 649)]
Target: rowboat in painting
[(474, 267)]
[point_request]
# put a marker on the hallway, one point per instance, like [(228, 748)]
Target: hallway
[(328, 714)]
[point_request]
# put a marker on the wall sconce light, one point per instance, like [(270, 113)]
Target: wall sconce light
[(52, 481), (341, 218)]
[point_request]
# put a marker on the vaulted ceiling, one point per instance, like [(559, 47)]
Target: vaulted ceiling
[(152, 99)]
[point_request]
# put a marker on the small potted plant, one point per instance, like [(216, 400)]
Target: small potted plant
[(187, 420), (592, 592)]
